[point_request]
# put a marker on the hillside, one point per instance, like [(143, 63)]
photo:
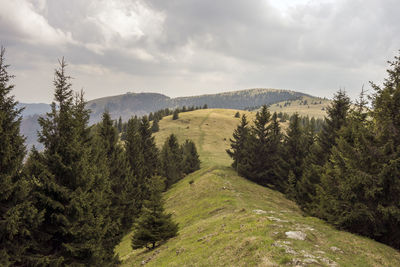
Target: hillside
[(226, 220), (131, 104), (305, 106)]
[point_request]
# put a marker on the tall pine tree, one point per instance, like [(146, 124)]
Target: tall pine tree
[(191, 161), (18, 217), (171, 161), (240, 137), (320, 151), (73, 193)]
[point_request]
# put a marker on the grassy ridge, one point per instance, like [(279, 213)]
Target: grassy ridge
[(227, 220), (313, 108)]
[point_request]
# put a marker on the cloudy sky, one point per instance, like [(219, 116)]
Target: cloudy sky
[(190, 47)]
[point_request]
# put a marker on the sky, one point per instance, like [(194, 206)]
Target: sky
[(193, 47)]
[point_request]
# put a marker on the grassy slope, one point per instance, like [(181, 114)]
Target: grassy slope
[(218, 221), (311, 110)]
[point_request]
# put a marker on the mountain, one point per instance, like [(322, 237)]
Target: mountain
[(33, 108), (130, 104), (226, 220)]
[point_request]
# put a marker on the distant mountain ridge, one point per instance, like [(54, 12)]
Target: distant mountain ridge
[(130, 104)]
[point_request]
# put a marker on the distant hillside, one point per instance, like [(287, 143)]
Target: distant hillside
[(33, 108), (131, 104), (305, 106)]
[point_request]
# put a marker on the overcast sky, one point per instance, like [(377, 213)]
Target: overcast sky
[(191, 47)]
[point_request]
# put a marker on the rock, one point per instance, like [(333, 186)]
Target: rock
[(276, 219), (288, 249), (336, 249), (310, 261), (259, 211), (298, 235)]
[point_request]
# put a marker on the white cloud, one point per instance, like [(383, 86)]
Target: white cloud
[(191, 46), (23, 21)]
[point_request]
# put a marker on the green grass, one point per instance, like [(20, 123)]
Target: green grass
[(217, 217)]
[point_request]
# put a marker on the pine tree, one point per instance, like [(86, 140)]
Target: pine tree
[(386, 115), (149, 149), (154, 225), (73, 193), (175, 115), (191, 161), (119, 125), (255, 152), (134, 152), (123, 183), (296, 148), (155, 127), (18, 217), (171, 161), (261, 159), (320, 151), (240, 136), (237, 114)]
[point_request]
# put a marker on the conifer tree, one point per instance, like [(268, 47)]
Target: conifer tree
[(347, 194), (73, 193), (18, 217), (320, 151), (171, 161), (237, 115), (134, 148), (262, 162), (154, 225), (240, 137), (123, 184), (119, 125), (386, 114), (191, 161), (296, 148), (155, 127), (175, 115), (134, 152), (149, 149)]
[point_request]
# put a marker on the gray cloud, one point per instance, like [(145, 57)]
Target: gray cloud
[(192, 47)]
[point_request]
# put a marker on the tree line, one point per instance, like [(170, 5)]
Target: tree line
[(156, 117), (348, 174), (72, 203)]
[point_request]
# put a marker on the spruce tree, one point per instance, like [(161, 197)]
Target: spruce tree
[(134, 152), (73, 192), (320, 151), (262, 157), (18, 217), (154, 225), (171, 161), (155, 127), (296, 148), (175, 115), (240, 137), (347, 194), (119, 125), (123, 183), (386, 115), (191, 161), (149, 149)]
